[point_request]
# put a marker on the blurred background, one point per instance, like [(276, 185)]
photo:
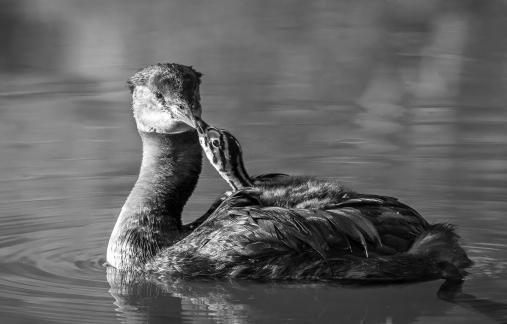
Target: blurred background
[(397, 97)]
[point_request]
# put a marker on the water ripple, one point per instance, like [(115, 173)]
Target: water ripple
[(489, 260), (50, 275)]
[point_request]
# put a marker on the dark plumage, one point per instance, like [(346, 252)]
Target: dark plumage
[(174, 78), (273, 227), (245, 240)]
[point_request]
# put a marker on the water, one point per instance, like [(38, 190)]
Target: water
[(398, 98)]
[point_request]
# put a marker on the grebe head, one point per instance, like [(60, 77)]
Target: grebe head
[(224, 153), (165, 98)]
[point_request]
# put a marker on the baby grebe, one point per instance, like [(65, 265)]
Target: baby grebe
[(275, 229)]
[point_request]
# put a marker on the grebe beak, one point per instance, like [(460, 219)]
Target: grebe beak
[(183, 112)]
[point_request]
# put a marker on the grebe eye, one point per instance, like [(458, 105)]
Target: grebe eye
[(215, 143), (159, 95)]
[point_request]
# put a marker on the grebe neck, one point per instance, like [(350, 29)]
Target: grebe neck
[(151, 217), (237, 177)]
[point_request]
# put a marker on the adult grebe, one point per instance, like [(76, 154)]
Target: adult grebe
[(242, 238)]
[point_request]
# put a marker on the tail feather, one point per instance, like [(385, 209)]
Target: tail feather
[(435, 237), (440, 243)]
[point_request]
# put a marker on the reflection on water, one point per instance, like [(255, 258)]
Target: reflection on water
[(243, 301), (403, 98)]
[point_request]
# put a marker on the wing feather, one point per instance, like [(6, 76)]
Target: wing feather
[(363, 224), (374, 223), (347, 227)]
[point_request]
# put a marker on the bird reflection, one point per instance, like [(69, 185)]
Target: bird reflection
[(141, 299), (452, 291)]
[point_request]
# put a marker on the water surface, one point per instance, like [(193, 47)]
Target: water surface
[(395, 98)]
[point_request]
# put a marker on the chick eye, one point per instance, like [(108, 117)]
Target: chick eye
[(159, 95), (215, 143)]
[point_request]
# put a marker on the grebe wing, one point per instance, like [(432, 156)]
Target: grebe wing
[(241, 227), (236, 199), (397, 224), (193, 225), (359, 224), (378, 223), (358, 200)]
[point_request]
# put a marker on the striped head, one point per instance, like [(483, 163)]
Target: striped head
[(224, 152)]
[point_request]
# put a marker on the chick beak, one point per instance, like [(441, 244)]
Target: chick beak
[(201, 126)]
